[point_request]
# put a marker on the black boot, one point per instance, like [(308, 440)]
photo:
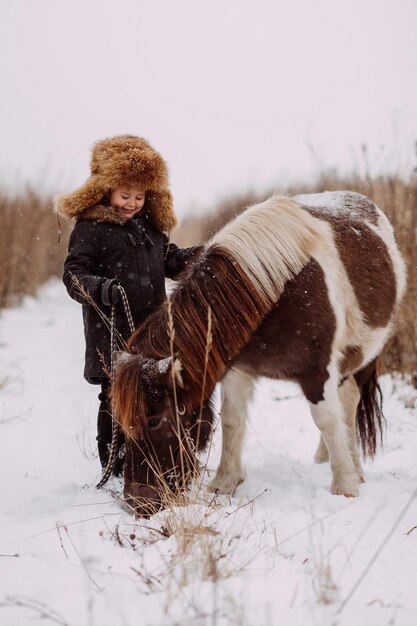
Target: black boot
[(104, 433)]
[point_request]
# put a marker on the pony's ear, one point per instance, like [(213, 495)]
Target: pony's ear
[(120, 357), (176, 371), (171, 368)]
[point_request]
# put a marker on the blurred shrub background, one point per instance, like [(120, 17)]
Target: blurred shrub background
[(30, 251), (33, 244)]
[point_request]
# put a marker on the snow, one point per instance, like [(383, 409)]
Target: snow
[(283, 550), (332, 199), (335, 200)]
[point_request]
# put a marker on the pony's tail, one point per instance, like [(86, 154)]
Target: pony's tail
[(369, 416), (126, 399)]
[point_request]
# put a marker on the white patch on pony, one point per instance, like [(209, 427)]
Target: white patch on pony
[(386, 232), (341, 294), (271, 241)]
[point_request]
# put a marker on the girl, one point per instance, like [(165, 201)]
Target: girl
[(121, 213)]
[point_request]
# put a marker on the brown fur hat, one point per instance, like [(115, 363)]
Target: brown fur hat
[(124, 160)]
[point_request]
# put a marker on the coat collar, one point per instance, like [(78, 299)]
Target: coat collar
[(158, 208), (102, 213)]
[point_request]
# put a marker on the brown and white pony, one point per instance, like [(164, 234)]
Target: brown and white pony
[(303, 289)]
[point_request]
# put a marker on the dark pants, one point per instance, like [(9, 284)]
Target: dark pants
[(104, 431)]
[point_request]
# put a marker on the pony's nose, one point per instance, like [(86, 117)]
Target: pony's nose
[(142, 500)]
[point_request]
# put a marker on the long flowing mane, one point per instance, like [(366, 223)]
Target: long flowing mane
[(239, 277)]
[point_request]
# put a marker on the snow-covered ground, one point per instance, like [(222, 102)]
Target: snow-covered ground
[(282, 551)]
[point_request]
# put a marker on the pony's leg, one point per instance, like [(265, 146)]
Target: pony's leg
[(236, 391), (329, 417), (322, 454), (350, 396)]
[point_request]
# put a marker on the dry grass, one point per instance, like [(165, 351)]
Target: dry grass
[(396, 197), (197, 543), (29, 248)]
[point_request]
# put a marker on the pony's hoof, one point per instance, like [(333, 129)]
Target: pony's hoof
[(347, 488), (225, 485)]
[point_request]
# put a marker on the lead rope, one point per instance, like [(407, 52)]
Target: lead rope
[(115, 428)]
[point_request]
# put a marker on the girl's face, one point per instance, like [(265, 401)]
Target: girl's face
[(127, 200)]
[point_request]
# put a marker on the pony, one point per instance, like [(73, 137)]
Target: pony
[(304, 289)]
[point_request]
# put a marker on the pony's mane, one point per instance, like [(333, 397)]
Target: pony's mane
[(216, 295), (271, 241), (238, 279)]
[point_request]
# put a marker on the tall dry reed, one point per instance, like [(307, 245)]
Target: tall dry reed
[(29, 249)]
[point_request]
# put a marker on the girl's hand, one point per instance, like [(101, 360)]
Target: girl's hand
[(110, 292)]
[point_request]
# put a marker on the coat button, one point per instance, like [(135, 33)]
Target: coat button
[(131, 240)]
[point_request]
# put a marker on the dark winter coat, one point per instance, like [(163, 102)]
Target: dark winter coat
[(134, 252)]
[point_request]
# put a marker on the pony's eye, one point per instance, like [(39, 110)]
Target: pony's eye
[(154, 422)]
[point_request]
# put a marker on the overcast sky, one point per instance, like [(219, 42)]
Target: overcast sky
[(235, 94)]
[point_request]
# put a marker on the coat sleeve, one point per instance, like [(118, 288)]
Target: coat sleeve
[(81, 265), (178, 259)]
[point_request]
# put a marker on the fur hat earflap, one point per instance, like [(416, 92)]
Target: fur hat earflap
[(123, 161)]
